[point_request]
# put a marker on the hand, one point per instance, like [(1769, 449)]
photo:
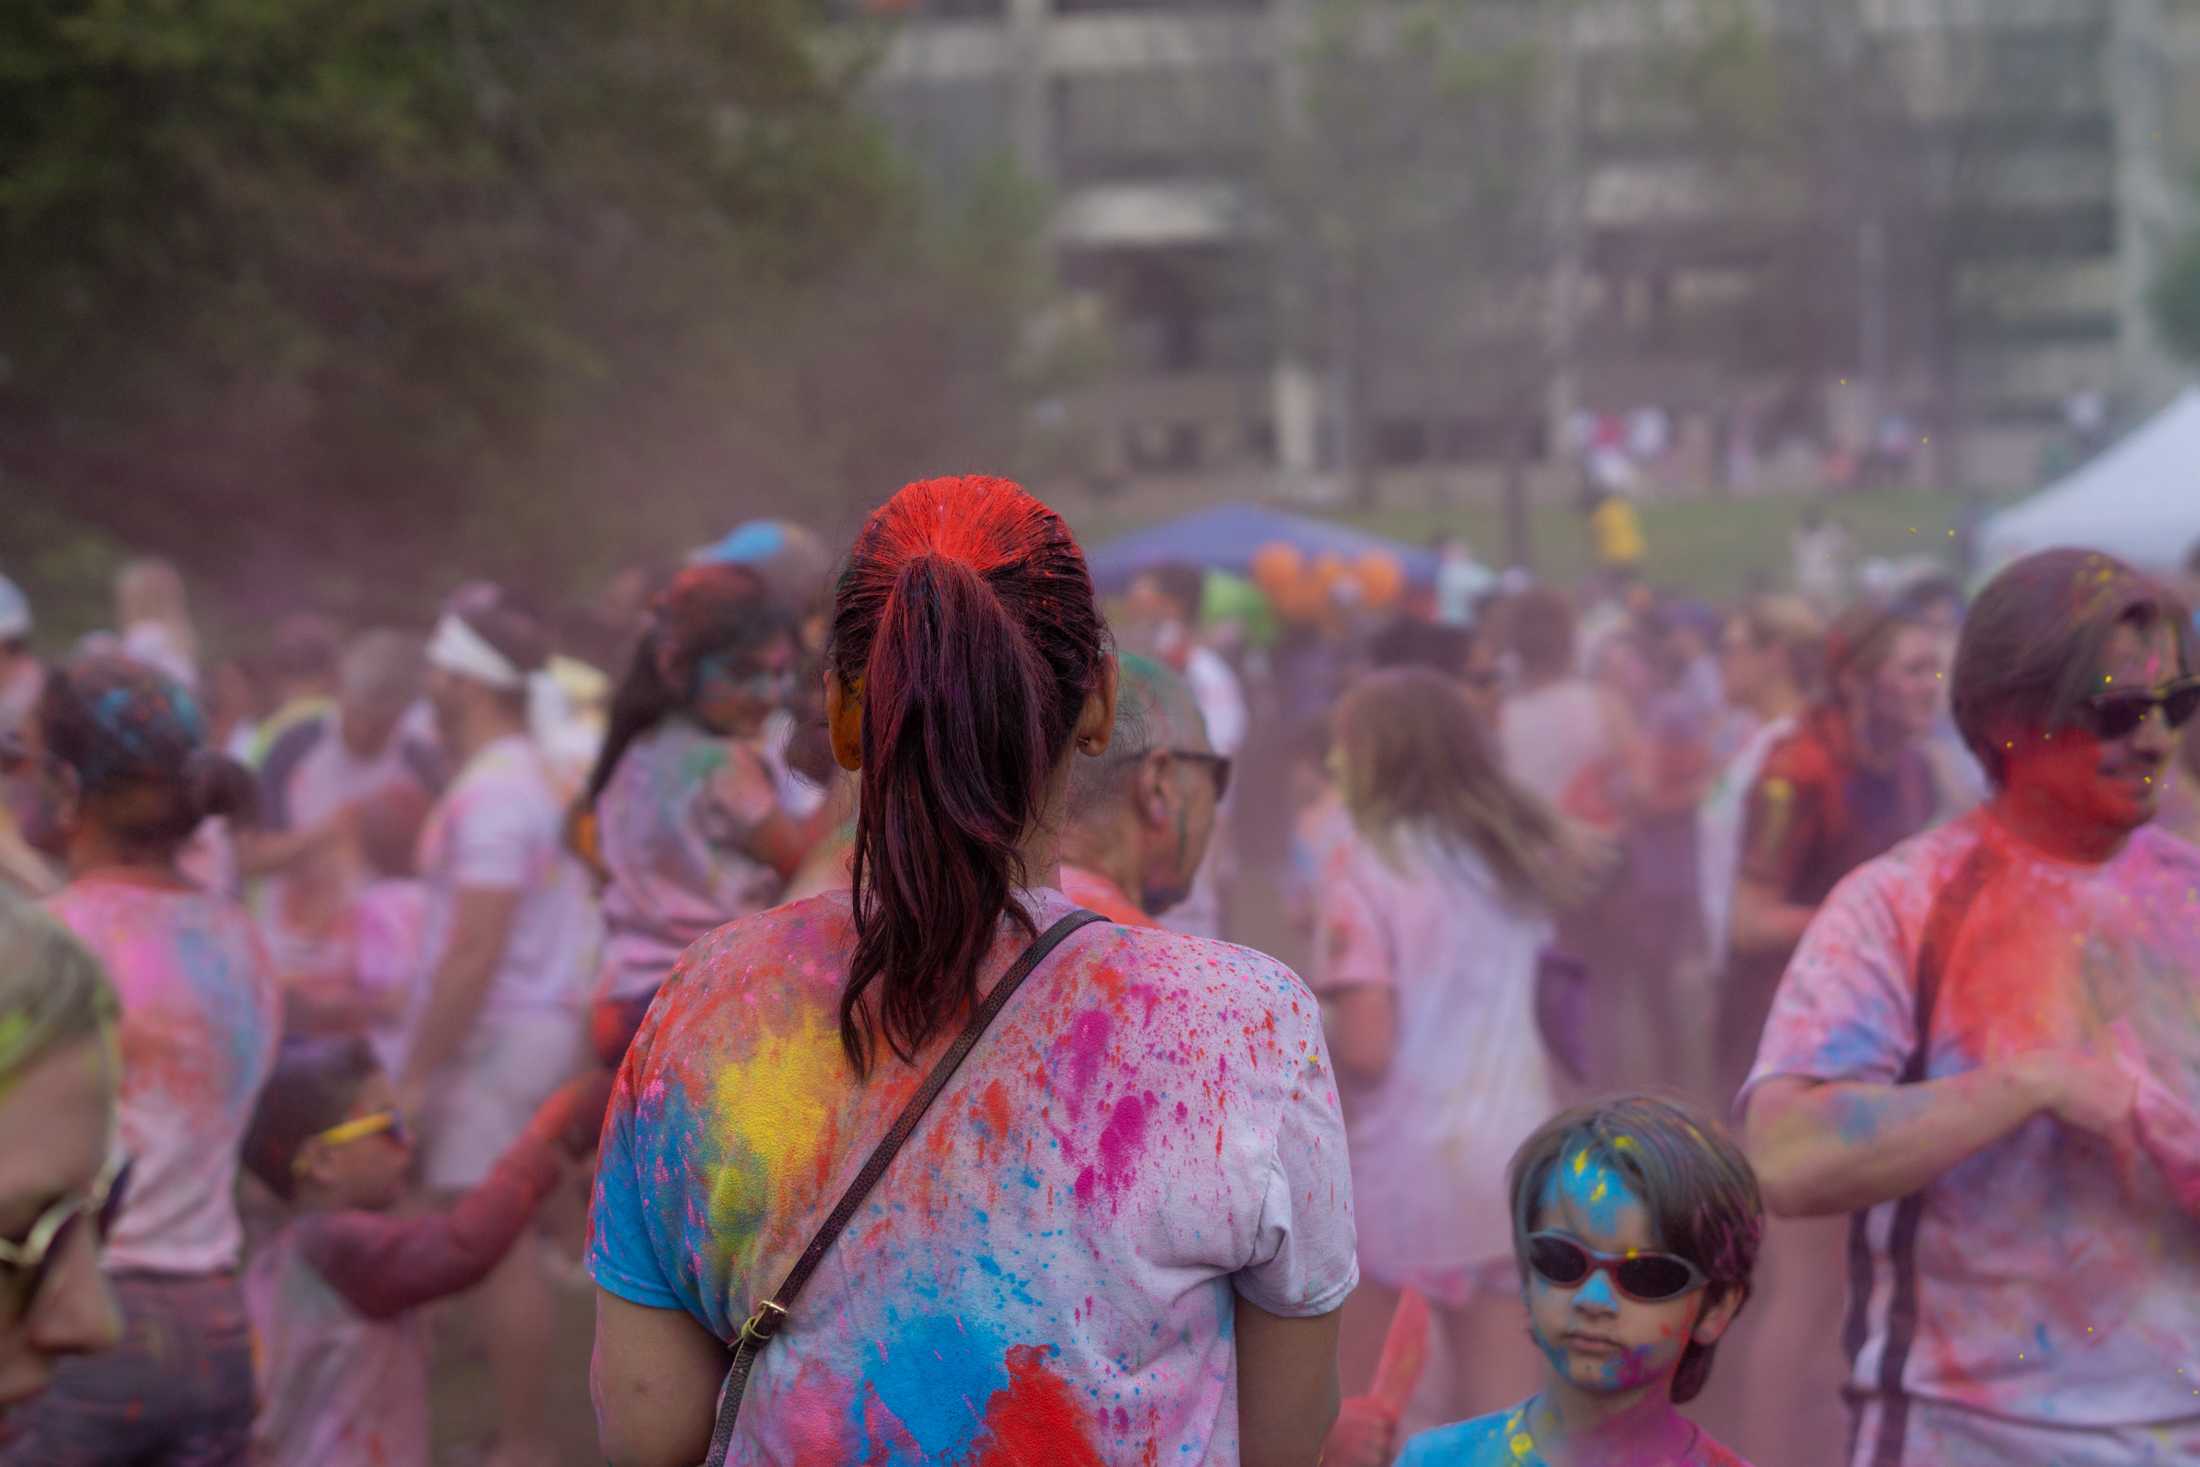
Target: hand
[(744, 786), (1366, 1435), (2082, 1089), (572, 1118)]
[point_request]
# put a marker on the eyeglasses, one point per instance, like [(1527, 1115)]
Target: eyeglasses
[(32, 1258), (2118, 715), (382, 1121), (1217, 764), (1647, 1278)]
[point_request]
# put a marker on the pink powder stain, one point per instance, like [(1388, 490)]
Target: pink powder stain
[(1121, 1145), (1079, 1054)]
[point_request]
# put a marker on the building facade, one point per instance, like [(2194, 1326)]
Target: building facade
[(1946, 227)]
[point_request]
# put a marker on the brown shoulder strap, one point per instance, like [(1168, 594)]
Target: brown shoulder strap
[(764, 1324)]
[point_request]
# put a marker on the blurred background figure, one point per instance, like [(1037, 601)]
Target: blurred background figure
[(1435, 911), (124, 777), (688, 829), (511, 940), (153, 619), (60, 1175), (1141, 816)]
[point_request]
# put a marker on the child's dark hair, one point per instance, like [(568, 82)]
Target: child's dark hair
[(1694, 1182), (135, 739), (315, 1084)]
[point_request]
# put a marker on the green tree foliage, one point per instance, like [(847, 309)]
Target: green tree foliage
[(407, 287)]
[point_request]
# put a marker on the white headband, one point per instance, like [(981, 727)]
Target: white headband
[(457, 648)]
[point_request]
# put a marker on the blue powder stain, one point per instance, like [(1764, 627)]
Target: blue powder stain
[(1030, 1179), (936, 1374), (983, 1219), (2039, 1332), (1597, 1192)]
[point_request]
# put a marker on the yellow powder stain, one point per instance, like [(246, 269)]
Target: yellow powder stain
[(1523, 1445), (1623, 1143), (769, 1111)]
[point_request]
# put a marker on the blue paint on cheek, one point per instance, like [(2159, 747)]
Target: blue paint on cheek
[(935, 1375)]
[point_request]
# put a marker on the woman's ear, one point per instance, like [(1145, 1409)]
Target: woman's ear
[(1719, 1314), (844, 721), (1096, 721)]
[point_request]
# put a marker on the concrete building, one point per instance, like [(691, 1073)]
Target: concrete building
[(1982, 273)]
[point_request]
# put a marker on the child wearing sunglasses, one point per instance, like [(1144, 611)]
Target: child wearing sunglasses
[(334, 1297), (1636, 1224)]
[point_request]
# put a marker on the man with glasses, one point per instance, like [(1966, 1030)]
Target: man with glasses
[(1140, 818), (1987, 1050)]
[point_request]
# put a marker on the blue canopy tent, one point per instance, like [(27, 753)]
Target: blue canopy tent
[(1226, 537)]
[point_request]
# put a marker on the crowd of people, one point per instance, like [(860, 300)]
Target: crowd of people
[(997, 1025)]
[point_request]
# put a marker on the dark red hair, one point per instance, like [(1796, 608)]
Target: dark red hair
[(966, 625)]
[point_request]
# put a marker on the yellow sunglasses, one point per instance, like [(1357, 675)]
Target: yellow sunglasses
[(382, 1121)]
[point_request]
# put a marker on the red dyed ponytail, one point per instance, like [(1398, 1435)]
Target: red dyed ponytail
[(967, 620)]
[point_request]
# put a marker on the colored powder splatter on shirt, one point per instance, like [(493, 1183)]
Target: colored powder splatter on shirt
[(1048, 1272), (2054, 1283), (201, 1017)]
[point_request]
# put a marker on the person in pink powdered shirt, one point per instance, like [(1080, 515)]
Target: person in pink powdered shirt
[(1123, 1232), (127, 777)]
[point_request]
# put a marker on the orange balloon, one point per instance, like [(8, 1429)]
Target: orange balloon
[(1382, 579), (1276, 568)]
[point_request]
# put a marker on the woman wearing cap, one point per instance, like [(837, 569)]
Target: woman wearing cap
[(124, 776), (58, 1073), (510, 941), (1123, 1231)]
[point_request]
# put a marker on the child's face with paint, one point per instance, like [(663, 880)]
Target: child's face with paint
[(1598, 1340), (367, 1172)]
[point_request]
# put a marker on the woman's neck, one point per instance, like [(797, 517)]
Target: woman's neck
[(94, 855), (1577, 1428)]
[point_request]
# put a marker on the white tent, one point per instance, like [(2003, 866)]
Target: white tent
[(2139, 501)]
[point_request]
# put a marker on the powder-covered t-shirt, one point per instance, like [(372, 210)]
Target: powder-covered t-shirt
[(386, 933), (673, 851), (501, 827), (1470, 1080), (2048, 1286), (1506, 1439), (1048, 1271), (201, 1018)]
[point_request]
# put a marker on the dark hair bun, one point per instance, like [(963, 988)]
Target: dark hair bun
[(217, 786)]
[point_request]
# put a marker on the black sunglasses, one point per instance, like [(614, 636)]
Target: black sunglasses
[(1647, 1278), (2118, 715), (1217, 764)]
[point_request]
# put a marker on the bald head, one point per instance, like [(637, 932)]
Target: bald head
[(1154, 710)]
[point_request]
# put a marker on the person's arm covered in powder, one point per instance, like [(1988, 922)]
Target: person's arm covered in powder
[(385, 1266), (1828, 1128)]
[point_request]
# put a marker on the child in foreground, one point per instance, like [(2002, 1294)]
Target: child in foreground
[(1636, 1225), (334, 1296)]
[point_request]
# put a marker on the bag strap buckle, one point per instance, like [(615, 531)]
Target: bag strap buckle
[(763, 1325)]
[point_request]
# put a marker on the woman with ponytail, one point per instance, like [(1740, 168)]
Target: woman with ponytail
[(123, 776), (688, 832), (1122, 1232)]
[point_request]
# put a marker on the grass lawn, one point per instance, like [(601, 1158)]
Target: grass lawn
[(1710, 547)]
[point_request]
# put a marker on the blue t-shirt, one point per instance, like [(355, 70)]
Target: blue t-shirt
[(1503, 1439)]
